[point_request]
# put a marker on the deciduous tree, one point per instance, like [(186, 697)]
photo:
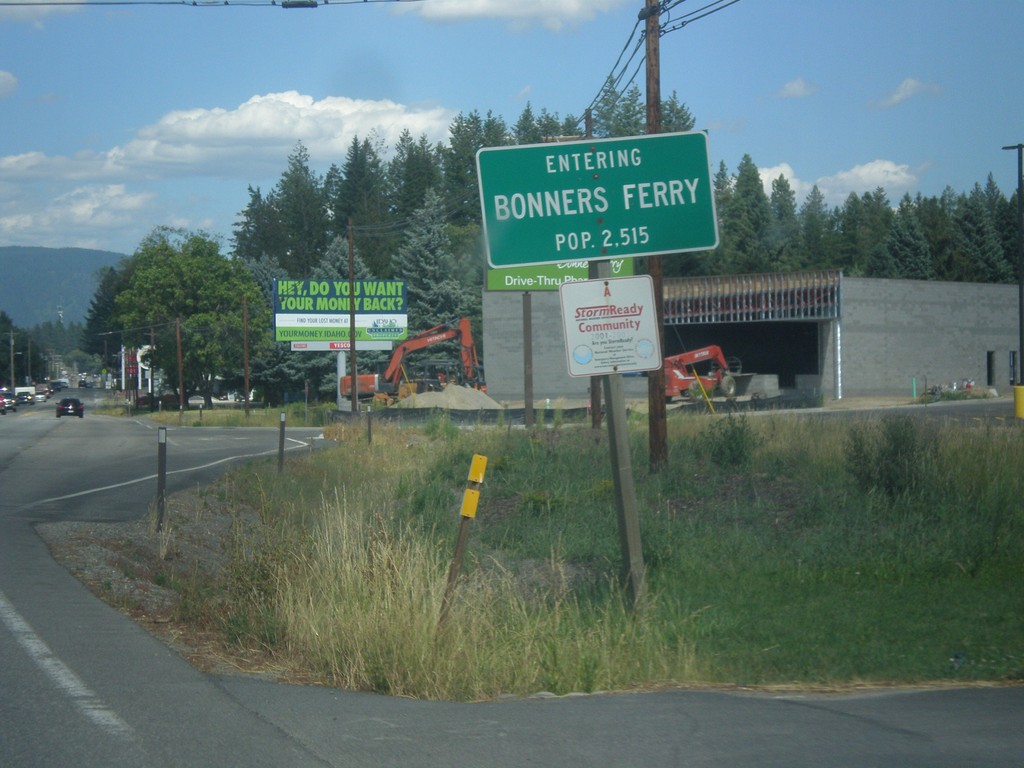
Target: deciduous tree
[(181, 276)]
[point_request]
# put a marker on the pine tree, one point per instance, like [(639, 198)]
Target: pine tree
[(783, 236), (675, 115), (906, 248), (935, 216), (816, 229), (357, 193), (259, 233), (302, 210), (415, 168), (335, 263), (292, 224), (619, 113), (265, 270), (101, 332), (979, 243), (458, 167), (526, 129), (625, 113), (1003, 215), (863, 225), (425, 262), (745, 223), (880, 263)]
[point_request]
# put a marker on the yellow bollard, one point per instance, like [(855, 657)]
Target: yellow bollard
[(470, 501), (1018, 402)]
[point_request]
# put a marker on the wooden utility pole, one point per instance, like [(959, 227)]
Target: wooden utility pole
[(657, 430), (152, 369), (593, 272), (181, 370), (245, 353), (354, 389)]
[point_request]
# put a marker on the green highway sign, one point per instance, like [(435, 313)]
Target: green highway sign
[(597, 199)]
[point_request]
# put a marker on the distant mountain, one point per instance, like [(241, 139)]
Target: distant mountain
[(36, 284)]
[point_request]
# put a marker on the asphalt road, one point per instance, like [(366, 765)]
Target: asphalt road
[(84, 686)]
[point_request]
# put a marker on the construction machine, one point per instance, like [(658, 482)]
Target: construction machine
[(395, 383), (706, 368)]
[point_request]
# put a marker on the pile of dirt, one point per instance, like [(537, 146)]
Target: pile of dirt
[(453, 397)]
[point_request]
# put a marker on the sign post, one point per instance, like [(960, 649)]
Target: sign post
[(597, 200), (611, 328)]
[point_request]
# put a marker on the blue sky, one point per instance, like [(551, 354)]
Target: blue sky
[(118, 119)]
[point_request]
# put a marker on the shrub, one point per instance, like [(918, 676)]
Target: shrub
[(893, 460), (731, 441)]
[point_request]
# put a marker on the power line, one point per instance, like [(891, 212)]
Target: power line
[(700, 13), (614, 82), (197, 3)]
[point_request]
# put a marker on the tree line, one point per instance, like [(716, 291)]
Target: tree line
[(413, 213)]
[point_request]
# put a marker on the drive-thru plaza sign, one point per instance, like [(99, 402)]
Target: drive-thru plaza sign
[(597, 199)]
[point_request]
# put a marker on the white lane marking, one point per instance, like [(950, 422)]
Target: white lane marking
[(299, 443), (60, 674)]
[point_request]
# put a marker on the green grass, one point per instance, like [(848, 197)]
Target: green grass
[(780, 550), (233, 415)]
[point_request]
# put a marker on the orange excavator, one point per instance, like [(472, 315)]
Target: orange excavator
[(395, 383)]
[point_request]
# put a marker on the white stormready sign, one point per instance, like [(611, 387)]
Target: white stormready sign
[(610, 326)]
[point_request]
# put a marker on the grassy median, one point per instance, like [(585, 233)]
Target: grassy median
[(780, 550)]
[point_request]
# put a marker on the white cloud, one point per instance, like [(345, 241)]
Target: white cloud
[(8, 84), (98, 206), (32, 12), (796, 89), (89, 212), (245, 144), (768, 175), (256, 135), (552, 14), (895, 178), (908, 89)]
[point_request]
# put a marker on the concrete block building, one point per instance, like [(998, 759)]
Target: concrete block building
[(819, 332)]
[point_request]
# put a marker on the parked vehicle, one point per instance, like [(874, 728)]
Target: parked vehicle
[(8, 400), (70, 406)]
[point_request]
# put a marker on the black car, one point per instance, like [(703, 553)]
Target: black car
[(70, 406)]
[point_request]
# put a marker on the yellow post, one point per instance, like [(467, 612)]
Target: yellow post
[(703, 391), (470, 501), (1018, 402)]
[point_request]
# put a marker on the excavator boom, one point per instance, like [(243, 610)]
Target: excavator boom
[(460, 330)]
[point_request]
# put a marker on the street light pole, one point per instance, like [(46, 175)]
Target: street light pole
[(1020, 261)]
